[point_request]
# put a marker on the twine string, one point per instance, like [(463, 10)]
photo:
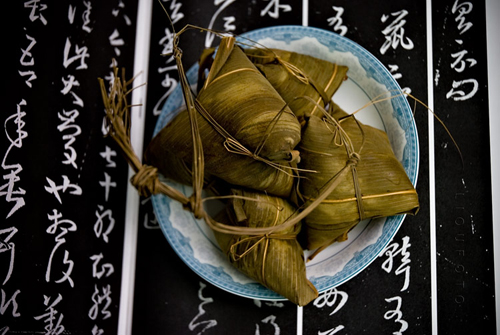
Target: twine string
[(251, 243)]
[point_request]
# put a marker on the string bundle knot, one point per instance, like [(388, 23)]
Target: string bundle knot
[(354, 158), (146, 180), (194, 205)]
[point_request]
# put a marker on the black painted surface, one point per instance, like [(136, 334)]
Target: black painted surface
[(393, 294)]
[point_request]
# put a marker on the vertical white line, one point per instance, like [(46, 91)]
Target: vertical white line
[(305, 13), (432, 190), (305, 23), (493, 43), (141, 62), (300, 318)]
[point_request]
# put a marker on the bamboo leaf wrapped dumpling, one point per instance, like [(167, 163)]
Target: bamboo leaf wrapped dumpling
[(276, 259), (171, 153), (247, 131), (245, 104), (296, 75), (376, 184)]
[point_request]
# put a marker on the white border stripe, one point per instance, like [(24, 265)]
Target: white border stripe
[(493, 43), (305, 23), (432, 190), (305, 13), (300, 318), (138, 116)]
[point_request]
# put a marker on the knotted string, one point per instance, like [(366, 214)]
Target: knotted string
[(342, 138), (237, 148), (251, 243), (234, 256), (146, 180), (353, 157), (299, 73)]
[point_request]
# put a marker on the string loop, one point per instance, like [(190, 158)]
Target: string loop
[(146, 180)]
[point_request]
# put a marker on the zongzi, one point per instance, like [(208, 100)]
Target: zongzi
[(171, 153), (274, 259), (295, 76), (247, 131), (375, 185)]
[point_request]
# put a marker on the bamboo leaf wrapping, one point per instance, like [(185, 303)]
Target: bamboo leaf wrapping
[(385, 188), (171, 150), (275, 260), (245, 104), (235, 103), (295, 75)]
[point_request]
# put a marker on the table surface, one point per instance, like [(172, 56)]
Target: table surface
[(81, 252)]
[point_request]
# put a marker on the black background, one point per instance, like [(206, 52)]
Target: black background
[(41, 156), (168, 294)]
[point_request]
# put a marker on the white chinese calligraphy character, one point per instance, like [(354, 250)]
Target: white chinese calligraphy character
[(99, 224), (329, 298), (80, 54), (117, 11), (6, 245), (52, 326), (273, 9), (394, 32), (27, 54), (68, 119), (397, 314), (107, 268), (116, 41), (175, 14), (393, 250), (201, 311), (223, 4), (4, 304), (97, 331), (393, 68), (36, 8), (69, 83), (86, 16), (8, 189), (60, 240), (459, 95), (459, 64), (102, 300), (336, 21), (271, 319), (107, 155), (66, 185), (462, 9), (107, 184)]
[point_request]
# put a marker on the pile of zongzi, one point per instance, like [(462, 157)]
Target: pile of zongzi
[(292, 165)]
